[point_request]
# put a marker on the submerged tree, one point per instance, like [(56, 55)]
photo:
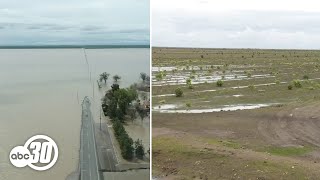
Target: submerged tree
[(116, 78), (148, 78), (142, 113), (104, 76), (143, 76)]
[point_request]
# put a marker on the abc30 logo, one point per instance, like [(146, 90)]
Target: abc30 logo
[(40, 153)]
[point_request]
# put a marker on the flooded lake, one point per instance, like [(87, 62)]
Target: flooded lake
[(41, 92)]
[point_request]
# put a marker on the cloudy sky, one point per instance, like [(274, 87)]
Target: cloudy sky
[(72, 22), (236, 23)]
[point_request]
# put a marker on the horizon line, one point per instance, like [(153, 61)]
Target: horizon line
[(88, 46), (222, 48)]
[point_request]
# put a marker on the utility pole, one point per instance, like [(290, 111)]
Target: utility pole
[(100, 119), (78, 96)]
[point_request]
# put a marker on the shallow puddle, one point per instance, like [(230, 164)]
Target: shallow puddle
[(200, 78), (165, 109), (164, 95), (165, 106)]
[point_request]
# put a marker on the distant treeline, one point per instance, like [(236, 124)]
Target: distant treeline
[(74, 46)]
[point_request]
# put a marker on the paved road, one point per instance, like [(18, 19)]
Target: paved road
[(89, 167), (106, 152)]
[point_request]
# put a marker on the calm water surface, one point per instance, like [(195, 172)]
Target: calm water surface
[(41, 91)]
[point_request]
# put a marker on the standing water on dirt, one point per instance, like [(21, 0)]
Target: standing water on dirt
[(41, 92)]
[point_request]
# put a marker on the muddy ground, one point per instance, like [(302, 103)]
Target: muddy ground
[(281, 141), (269, 143)]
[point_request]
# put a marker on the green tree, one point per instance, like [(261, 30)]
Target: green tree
[(124, 97), (179, 92), (160, 75), (297, 83), (132, 93), (139, 149), (188, 105), (120, 114), (115, 87), (112, 108), (219, 83), (118, 128), (188, 81), (126, 147)]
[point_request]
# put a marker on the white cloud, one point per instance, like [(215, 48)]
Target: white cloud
[(74, 21), (236, 24)]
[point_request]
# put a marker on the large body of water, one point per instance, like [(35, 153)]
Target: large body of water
[(41, 92)]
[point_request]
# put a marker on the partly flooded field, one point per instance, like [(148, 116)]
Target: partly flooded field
[(236, 113), (41, 92), (248, 77)]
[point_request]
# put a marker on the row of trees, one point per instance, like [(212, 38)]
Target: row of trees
[(117, 103), (105, 76), (126, 143)]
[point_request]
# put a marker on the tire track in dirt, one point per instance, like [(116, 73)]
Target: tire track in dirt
[(293, 127), (242, 157)]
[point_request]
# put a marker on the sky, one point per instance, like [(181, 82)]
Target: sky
[(74, 22), (271, 24)]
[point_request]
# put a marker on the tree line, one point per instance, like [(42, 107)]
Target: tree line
[(116, 104)]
